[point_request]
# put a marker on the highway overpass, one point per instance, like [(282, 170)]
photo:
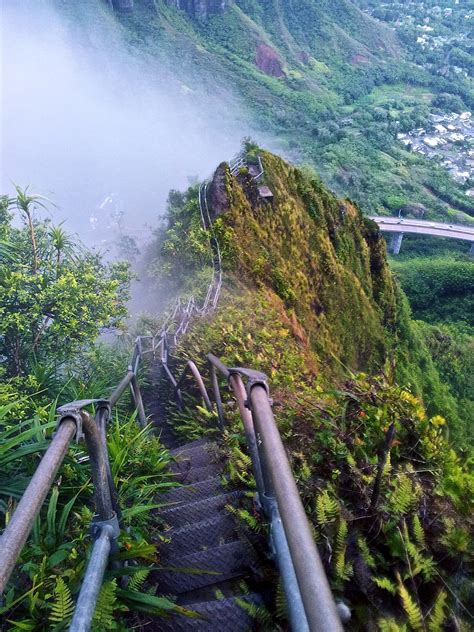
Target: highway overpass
[(400, 226)]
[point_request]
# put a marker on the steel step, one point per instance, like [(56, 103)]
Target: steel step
[(191, 493), (197, 474), (226, 615), (199, 456), (214, 531), (234, 559), (191, 445), (189, 513)]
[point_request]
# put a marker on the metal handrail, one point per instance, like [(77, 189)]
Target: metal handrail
[(310, 601), (75, 421)]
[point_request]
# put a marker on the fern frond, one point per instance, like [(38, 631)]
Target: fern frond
[(341, 536), (63, 605), (411, 608), (104, 611), (418, 532), (365, 552), (437, 615), (385, 584), (281, 608), (258, 613), (245, 516), (390, 625), (404, 494), (138, 579), (327, 509)]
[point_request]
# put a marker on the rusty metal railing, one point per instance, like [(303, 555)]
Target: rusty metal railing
[(311, 605), (76, 422)]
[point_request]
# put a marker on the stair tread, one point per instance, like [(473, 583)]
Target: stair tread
[(219, 614), (198, 536), (196, 474), (191, 512), (198, 456), (234, 559), (190, 493)]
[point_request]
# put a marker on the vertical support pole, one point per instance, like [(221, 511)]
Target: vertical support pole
[(396, 243), (471, 250), (137, 396), (217, 396), (241, 396), (101, 419)]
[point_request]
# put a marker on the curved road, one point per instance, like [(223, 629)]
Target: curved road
[(422, 227)]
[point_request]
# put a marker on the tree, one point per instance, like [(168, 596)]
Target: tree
[(55, 295)]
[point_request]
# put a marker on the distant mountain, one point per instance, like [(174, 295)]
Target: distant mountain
[(328, 83)]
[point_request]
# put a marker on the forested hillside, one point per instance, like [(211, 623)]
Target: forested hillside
[(369, 357), (331, 84), (309, 299)]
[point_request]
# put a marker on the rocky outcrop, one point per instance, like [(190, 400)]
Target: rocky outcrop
[(268, 61), (200, 9)]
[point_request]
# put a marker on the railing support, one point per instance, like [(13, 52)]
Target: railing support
[(21, 523), (137, 397), (94, 575), (316, 594), (217, 396)]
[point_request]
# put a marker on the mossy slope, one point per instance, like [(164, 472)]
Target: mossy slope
[(309, 299), (319, 255)]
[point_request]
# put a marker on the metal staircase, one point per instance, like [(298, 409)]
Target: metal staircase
[(210, 564)]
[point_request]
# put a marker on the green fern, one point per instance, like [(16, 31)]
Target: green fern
[(418, 563), (365, 552), (327, 509), (385, 584), (390, 625), (281, 608), (63, 605), (139, 579), (411, 608), (418, 532), (437, 614), (404, 494), (106, 604), (243, 588), (343, 569), (455, 539), (256, 612), (245, 516)]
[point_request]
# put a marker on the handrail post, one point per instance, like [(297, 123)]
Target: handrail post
[(18, 529), (217, 395), (239, 391), (317, 598), (137, 396), (102, 418)]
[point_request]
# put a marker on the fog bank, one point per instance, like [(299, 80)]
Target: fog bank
[(100, 129)]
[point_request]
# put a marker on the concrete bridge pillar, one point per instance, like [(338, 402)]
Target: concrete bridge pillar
[(396, 243), (471, 249)]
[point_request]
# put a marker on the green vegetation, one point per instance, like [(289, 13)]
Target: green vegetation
[(309, 300), (347, 86), (55, 296), (440, 289)]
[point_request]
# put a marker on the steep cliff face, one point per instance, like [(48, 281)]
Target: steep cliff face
[(318, 254), (308, 298), (200, 9)]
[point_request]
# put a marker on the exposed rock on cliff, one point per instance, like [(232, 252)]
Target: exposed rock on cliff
[(268, 61)]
